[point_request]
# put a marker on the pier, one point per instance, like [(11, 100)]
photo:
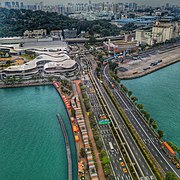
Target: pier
[(68, 150)]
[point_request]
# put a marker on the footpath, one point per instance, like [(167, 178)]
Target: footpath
[(90, 133)]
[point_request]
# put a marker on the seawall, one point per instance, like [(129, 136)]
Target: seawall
[(25, 84), (144, 73)]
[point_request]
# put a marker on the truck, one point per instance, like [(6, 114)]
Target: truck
[(169, 151)]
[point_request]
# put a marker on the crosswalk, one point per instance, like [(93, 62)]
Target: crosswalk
[(147, 178), (148, 141)]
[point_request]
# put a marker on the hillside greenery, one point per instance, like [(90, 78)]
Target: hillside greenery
[(15, 22)]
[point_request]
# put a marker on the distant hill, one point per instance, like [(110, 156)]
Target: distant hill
[(15, 22)]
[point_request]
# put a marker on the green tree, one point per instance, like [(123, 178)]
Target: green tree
[(82, 152), (96, 137), (73, 112), (129, 93), (8, 62), (160, 133), (92, 40), (105, 160), (99, 57), (154, 125), (124, 88), (134, 98), (107, 170), (151, 121), (146, 115), (102, 154), (99, 144), (171, 176), (112, 65), (140, 106)]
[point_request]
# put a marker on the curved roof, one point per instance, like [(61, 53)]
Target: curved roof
[(33, 64), (64, 64)]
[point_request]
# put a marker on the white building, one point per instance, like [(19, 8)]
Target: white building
[(58, 64), (165, 30), (35, 33), (162, 30)]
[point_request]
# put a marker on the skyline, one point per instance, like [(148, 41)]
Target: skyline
[(139, 2)]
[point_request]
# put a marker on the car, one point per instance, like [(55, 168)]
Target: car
[(124, 170), (122, 163)]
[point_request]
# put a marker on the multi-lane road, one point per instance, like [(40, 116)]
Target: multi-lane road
[(115, 155), (149, 138), (141, 167)]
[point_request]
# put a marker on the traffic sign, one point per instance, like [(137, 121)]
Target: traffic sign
[(104, 121)]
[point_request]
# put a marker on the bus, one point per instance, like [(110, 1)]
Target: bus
[(111, 146)]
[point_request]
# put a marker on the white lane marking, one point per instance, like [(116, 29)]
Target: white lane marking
[(149, 138)]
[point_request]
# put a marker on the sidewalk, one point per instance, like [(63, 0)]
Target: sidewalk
[(91, 138)]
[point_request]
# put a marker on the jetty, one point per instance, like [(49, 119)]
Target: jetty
[(68, 150)]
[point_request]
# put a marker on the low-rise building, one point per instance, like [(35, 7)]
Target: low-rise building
[(56, 34), (43, 65), (35, 33), (70, 33)]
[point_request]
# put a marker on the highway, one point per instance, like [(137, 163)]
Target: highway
[(135, 156), (140, 164), (107, 136), (142, 128)]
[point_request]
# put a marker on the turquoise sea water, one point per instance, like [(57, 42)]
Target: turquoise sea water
[(159, 92), (32, 146)]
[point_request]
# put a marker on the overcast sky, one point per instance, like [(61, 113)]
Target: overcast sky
[(146, 2)]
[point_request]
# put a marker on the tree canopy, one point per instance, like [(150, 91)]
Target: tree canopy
[(14, 22), (171, 176)]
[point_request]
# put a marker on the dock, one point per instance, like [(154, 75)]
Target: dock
[(68, 150)]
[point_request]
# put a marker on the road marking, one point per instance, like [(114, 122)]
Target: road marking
[(149, 137)]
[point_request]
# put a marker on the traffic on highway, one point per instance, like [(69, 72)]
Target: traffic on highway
[(118, 164), (146, 134)]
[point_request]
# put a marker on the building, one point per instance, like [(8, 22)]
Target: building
[(120, 46), (56, 34), (165, 29), (162, 30), (144, 37), (139, 21), (35, 33), (44, 65), (70, 33)]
